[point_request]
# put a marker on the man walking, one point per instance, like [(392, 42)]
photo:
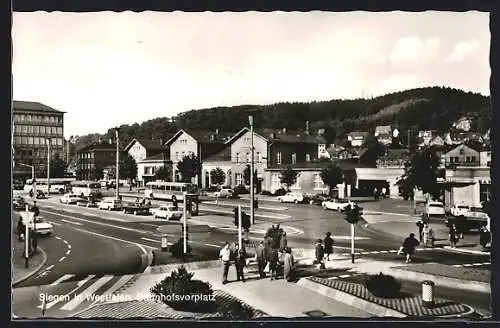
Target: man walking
[(20, 228), (409, 245), (240, 263), (225, 257), (320, 254), (260, 255), (420, 225), (328, 242)]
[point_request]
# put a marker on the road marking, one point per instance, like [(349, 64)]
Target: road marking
[(334, 278), (345, 276), (57, 237), (67, 252), (77, 223), (122, 281), (149, 239), (62, 258), (150, 224), (57, 224), (71, 305), (212, 245), (384, 252), (49, 267), (467, 265), (457, 265), (68, 295), (66, 242), (61, 279)]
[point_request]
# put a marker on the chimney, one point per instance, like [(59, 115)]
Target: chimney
[(217, 131), (307, 127)]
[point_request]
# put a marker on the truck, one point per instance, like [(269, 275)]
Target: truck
[(136, 208)]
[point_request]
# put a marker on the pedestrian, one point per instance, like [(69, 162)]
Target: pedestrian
[(240, 263), (320, 253), (20, 228), (484, 237), (283, 241), (420, 225), (384, 192), (288, 265), (35, 210), (225, 257), (375, 193), (260, 257), (273, 264), (425, 234), (409, 245), (453, 234), (174, 203), (461, 223), (328, 242)]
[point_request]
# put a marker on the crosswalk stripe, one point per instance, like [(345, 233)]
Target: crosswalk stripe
[(122, 281), (457, 265), (68, 295), (467, 265), (77, 223), (78, 299), (61, 279)]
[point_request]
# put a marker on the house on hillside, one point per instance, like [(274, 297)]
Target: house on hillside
[(485, 157), (425, 137), (461, 155), (149, 156), (394, 158), (357, 138), (463, 124), (201, 143), (383, 133), (147, 167)]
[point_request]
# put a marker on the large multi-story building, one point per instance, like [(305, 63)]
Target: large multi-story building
[(34, 124), (93, 159)]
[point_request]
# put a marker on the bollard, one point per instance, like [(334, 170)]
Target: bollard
[(427, 293), (164, 243)]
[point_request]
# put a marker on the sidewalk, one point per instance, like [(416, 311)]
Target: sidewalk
[(19, 271)]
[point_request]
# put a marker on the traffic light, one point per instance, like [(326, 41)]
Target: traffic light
[(235, 211)]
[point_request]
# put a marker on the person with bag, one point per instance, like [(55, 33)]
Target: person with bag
[(240, 264), (409, 245), (225, 257), (260, 258), (320, 254), (425, 235), (328, 242), (289, 265), (273, 264)]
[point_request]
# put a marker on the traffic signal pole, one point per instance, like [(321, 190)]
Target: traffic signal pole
[(239, 227), (184, 222)]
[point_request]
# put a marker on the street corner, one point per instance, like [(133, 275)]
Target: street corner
[(35, 263)]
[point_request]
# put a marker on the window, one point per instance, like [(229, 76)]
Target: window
[(183, 154), (462, 151), (176, 155), (259, 157), (488, 163), (294, 158), (24, 129), (484, 192), (30, 129), (37, 141), (318, 182), (59, 130), (24, 140), (247, 140), (308, 157), (42, 130), (36, 129), (278, 158), (467, 159), (59, 141), (53, 130), (473, 159), (275, 181), (239, 179), (237, 157), (17, 140)]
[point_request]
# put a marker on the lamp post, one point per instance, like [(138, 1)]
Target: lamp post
[(32, 177), (117, 163), (49, 140), (252, 194)]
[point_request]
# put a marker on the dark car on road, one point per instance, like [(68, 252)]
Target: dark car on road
[(136, 208), (466, 223)]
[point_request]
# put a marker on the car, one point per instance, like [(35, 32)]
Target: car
[(291, 197), (318, 199), (224, 193), (39, 194), (167, 212), (459, 209), (110, 204), (70, 199), (477, 212), (39, 225), (337, 204), (18, 203), (87, 202), (135, 208), (434, 208)]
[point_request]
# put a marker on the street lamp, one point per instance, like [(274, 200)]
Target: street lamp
[(33, 181), (117, 163), (252, 194), (49, 140)]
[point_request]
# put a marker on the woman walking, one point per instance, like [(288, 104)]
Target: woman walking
[(320, 254), (453, 234), (328, 242), (289, 266), (273, 264)]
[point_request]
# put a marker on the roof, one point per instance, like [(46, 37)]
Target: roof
[(203, 136), (460, 146), (149, 144), (277, 135), (97, 145), (318, 165), (33, 106), (223, 156)]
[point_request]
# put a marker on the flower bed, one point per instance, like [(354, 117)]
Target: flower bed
[(408, 304)]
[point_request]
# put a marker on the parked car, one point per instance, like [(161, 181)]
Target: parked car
[(167, 212), (87, 202), (434, 208), (291, 197), (18, 203), (460, 209), (135, 208), (39, 194), (467, 222), (477, 212), (110, 204), (224, 193), (337, 204), (42, 227), (70, 199), (318, 199)]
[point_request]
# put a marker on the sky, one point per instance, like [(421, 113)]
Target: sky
[(106, 69)]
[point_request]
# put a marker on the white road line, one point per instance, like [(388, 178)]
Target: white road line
[(69, 246), (149, 239), (61, 279), (478, 264), (345, 276), (57, 237), (62, 258), (384, 252), (334, 278), (49, 267), (122, 281), (77, 300), (486, 263), (467, 265), (457, 265), (68, 295), (150, 224), (65, 241), (374, 252), (67, 252), (212, 245), (77, 223), (57, 224)]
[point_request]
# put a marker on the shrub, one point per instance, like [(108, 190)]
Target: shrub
[(235, 310), (382, 285), (239, 190), (177, 249), (266, 193), (212, 189), (280, 192), (180, 283)]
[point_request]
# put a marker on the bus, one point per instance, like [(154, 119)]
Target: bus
[(169, 190), (57, 185), (84, 188)]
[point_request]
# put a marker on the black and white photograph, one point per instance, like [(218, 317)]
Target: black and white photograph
[(251, 165)]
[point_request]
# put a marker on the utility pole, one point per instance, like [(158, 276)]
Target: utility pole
[(26, 239), (239, 227), (49, 140), (252, 191), (117, 163), (184, 222)]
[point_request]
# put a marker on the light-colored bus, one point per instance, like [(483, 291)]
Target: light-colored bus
[(85, 188), (169, 190), (57, 185)]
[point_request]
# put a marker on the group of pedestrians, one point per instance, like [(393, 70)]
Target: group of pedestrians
[(21, 229), (425, 233), (323, 250), (232, 254)]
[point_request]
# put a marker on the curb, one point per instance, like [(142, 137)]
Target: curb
[(468, 251), (156, 269), (35, 270), (413, 276), (350, 300)]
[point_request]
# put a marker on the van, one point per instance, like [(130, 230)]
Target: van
[(110, 204), (433, 208)]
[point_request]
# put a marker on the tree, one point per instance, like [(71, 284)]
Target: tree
[(246, 176), (96, 173), (353, 216), (330, 134), (288, 176), (163, 173), (332, 175), (189, 167), (217, 176), (421, 172), (374, 150), (128, 168), (57, 168)]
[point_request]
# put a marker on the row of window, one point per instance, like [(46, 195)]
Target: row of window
[(468, 159), (37, 141), (37, 118), (149, 170), (38, 129), (317, 182), (249, 158), (86, 155), (86, 166)]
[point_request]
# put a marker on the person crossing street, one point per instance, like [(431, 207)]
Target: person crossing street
[(225, 257)]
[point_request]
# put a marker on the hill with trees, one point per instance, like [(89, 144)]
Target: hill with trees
[(432, 108)]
